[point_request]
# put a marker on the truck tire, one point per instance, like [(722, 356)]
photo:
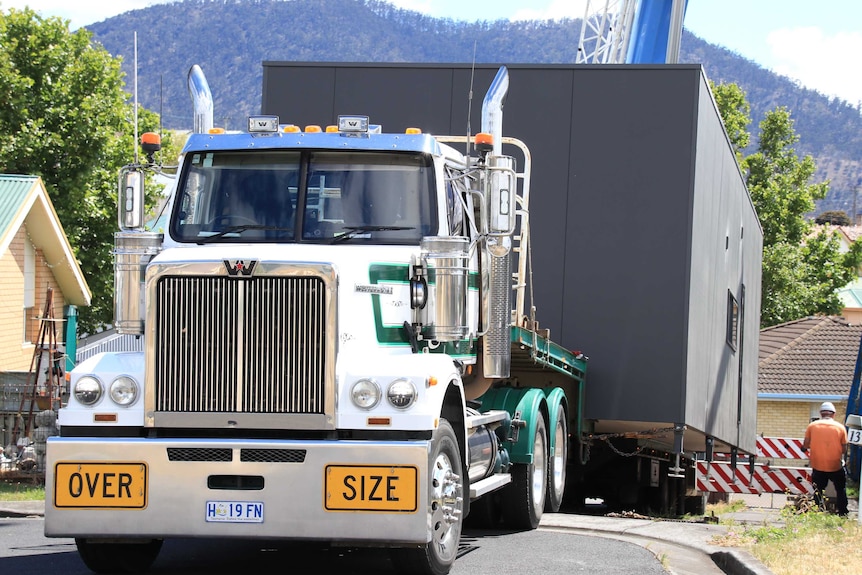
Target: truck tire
[(118, 557), (557, 463), (524, 498), (446, 504)]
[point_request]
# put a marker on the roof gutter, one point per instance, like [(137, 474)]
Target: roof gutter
[(802, 397)]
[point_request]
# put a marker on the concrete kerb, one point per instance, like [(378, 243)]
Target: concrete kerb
[(22, 508), (683, 547)]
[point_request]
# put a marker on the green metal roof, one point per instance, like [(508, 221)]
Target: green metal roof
[(13, 192), (851, 294), (24, 200)]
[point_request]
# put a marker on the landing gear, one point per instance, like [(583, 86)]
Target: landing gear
[(131, 557), (446, 501)]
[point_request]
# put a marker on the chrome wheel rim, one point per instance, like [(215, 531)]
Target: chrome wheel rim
[(446, 498), (539, 466)]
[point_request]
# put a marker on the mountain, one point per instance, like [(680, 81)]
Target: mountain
[(230, 39)]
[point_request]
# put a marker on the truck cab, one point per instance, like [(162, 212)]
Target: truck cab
[(328, 318)]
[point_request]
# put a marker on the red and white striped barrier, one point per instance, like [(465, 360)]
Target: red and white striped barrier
[(780, 448), (719, 477)]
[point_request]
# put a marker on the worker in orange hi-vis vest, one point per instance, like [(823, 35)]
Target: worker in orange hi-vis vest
[(827, 441)]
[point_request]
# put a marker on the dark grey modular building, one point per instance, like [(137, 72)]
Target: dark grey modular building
[(646, 247)]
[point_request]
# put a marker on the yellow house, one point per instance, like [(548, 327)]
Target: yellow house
[(34, 255)]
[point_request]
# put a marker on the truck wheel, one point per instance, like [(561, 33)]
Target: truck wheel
[(118, 557), (446, 504), (557, 463), (524, 498)]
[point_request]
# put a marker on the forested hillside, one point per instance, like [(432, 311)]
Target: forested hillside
[(230, 39)]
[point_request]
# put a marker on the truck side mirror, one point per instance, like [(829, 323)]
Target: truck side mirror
[(130, 199)]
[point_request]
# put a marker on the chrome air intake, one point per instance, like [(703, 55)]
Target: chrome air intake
[(132, 253), (447, 263)]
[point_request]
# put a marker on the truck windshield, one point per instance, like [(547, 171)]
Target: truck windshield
[(365, 197)]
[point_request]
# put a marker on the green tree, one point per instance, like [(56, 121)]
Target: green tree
[(834, 217), (65, 117), (803, 266)]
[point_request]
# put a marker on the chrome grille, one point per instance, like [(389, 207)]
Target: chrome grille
[(254, 345)]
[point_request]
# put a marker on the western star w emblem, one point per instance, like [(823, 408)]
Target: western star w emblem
[(239, 267)]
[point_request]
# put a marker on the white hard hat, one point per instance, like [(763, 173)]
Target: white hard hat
[(827, 406)]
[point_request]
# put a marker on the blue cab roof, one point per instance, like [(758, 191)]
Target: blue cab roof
[(424, 143)]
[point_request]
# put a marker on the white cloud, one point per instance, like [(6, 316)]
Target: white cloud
[(815, 59)]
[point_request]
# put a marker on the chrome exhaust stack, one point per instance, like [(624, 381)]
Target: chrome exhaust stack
[(500, 206), (202, 99)]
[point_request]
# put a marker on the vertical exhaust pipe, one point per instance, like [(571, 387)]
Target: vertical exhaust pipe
[(492, 108), (202, 99), (497, 302)]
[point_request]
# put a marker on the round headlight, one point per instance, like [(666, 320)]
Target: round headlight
[(365, 394), (88, 390), (124, 390), (401, 393)]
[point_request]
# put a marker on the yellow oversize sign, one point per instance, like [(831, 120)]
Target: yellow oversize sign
[(386, 488), (105, 485)]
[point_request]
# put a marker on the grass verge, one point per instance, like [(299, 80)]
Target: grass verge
[(13, 490), (809, 541)]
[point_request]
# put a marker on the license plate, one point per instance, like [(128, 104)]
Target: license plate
[(102, 485), (386, 488), (235, 511)]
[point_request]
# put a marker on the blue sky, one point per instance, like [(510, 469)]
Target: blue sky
[(815, 43)]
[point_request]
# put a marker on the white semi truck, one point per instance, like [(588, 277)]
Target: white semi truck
[(336, 348)]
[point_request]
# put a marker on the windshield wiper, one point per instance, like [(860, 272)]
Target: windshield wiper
[(239, 229), (353, 231)]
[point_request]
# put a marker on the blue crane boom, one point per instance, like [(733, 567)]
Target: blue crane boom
[(656, 31)]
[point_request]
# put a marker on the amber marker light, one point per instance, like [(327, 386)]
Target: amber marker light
[(313, 129), (432, 381), (412, 131), (151, 139), (484, 142), (291, 129), (331, 129), (215, 131), (379, 421)]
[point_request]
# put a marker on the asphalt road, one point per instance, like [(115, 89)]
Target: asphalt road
[(24, 550)]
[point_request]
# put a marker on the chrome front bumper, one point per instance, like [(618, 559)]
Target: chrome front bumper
[(88, 498)]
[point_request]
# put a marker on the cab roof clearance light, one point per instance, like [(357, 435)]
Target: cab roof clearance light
[(355, 124), (262, 124)]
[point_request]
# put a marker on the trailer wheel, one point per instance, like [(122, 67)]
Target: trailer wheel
[(446, 503), (524, 498), (118, 557), (557, 463)]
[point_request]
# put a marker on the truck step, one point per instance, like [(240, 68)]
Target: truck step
[(489, 484), (491, 416)]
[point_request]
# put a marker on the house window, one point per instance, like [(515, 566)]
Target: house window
[(732, 320)]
